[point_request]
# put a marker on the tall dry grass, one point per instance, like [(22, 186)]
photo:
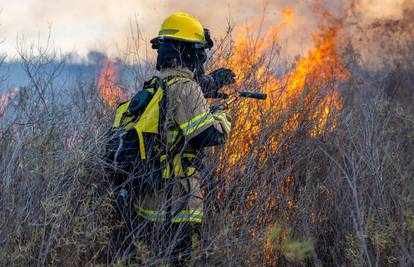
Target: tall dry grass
[(342, 198)]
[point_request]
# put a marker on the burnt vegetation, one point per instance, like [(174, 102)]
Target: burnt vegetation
[(321, 174)]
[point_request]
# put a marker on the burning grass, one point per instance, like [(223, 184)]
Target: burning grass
[(318, 174), (109, 89)]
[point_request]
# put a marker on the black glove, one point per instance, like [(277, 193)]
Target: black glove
[(213, 82), (223, 77)]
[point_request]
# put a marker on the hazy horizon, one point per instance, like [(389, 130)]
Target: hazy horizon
[(80, 26)]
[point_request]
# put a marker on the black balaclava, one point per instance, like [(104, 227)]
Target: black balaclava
[(172, 53)]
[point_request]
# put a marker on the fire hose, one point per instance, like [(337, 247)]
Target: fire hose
[(235, 97)]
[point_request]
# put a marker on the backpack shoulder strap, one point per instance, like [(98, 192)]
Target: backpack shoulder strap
[(170, 80)]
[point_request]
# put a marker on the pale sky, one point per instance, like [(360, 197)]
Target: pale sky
[(84, 25)]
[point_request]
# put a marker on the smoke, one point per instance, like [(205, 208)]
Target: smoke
[(380, 9), (382, 31), (75, 25), (84, 25)]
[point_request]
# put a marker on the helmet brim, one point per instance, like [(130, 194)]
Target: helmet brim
[(160, 39)]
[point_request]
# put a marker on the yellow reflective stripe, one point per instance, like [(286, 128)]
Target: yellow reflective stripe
[(163, 212), (166, 171), (178, 167), (186, 218), (223, 118), (174, 80), (160, 216), (141, 143), (196, 118), (174, 145), (171, 136), (189, 155), (196, 123), (190, 170)]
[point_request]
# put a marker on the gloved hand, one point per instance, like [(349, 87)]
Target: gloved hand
[(223, 77), (218, 106), (213, 82)]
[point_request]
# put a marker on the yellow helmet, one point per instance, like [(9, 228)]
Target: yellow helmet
[(182, 26)]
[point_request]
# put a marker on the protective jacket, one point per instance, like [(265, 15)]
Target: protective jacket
[(188, 119)]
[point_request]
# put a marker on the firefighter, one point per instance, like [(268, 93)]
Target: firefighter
[(173, 215)]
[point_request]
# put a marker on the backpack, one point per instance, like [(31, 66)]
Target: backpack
[(137, 139)]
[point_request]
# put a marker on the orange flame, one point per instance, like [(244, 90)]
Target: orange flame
[(109, 90), (5, 98), (307, 93), (303, 99)]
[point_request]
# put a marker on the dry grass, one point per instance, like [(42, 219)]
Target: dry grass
[(342, 198)]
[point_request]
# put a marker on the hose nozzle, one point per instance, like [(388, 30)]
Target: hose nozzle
[(260, 96)]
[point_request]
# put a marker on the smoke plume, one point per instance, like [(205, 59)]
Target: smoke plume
[(374, 27)]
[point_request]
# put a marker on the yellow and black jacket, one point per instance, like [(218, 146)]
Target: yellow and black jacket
[(189, 118), (191, 126)]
